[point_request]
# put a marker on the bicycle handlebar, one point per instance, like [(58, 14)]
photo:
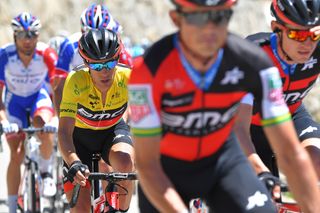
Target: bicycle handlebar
[(31, 130), (111, 177)]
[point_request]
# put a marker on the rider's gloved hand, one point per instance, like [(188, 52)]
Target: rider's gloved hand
[(52, 126), (271, 182), (8, 127), (74, 175)]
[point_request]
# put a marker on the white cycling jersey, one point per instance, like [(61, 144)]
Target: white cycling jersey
[(25, 81)]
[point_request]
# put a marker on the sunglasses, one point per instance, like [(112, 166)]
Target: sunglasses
[(301, 35), (218, 17), (26, 34), (109, 65)]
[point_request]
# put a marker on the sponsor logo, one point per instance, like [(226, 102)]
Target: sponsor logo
[(309, 64), (256, 200), (78, 90), (275, 94), (122, 84), (93, 97), (197, 123), (100, 115), (233, 76), (309, 129), (294, 97), (211, 2), (176, 101), (67, 110), (139, 104)]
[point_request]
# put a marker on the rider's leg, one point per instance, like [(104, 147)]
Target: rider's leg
[(83, 204), (13, 171), (122, 160), (46, 150), (312, 145)]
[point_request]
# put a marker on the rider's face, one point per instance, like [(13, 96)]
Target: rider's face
[(298, 48), (203, 30), (26, 44)]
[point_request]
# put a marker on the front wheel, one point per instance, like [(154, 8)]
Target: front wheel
[(33, 191)]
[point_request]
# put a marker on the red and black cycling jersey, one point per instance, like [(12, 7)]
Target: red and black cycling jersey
[(297, 79), (194, 115)]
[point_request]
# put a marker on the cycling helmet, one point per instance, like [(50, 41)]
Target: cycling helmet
[(25, 21), (203, 3), (99, 45), (55, 43), (296, 12), (97, 16)]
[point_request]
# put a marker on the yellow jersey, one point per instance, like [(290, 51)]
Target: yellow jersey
[(82, 100)]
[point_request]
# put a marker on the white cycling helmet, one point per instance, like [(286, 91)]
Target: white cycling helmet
[(97, 16)]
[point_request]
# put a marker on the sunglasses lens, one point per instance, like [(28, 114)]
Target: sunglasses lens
[(26, 34), (302, 35), (315, 37), (99, 66), (202, 18)]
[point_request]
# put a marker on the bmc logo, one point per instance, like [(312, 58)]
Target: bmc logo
[(294, 97), (196, 123)]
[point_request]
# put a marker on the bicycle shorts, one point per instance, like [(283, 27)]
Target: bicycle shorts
[(88, 142), (19, 107), (225, 181), (305, 127)]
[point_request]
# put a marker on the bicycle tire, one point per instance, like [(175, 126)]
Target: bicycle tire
[(33, 190)]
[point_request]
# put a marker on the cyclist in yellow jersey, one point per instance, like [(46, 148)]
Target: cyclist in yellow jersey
[(92, 115)]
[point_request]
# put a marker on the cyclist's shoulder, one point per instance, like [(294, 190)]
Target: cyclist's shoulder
[(246, 53), (8, 48), (261, 38)]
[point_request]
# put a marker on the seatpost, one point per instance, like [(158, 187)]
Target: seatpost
[(95, 167)]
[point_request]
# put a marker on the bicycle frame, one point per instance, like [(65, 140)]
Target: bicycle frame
[(109, 200), (30, 185)]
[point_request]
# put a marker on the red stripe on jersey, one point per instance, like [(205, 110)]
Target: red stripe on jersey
[(303, 83), (99, 123), (188, 146), (224, 100)]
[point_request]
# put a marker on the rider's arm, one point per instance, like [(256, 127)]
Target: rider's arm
[(57, 87), (242, 130), (66, 147), (3, 116), (154, 182), (295, 163), (292, 158)]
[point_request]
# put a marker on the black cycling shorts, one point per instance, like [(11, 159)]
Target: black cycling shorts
[(225, 181), (88, 142), (305, 127)]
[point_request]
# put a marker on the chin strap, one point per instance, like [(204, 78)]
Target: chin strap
[(288, 58)]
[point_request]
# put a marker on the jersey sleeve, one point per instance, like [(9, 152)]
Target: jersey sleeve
[(271, 104), (67, 52), (70, 96), (247, 99), (50, 59), (3, 62), (143, 104)]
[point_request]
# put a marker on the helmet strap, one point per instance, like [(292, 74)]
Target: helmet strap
[(287, 57)]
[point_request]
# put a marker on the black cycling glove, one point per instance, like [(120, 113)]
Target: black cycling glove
[(269, 180), (74, 168)]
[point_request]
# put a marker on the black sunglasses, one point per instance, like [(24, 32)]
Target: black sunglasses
[(218, 17), (26, 34)]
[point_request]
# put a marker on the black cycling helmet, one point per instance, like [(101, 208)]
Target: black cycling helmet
[(99, 45), (203, 3), (296, 12)]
